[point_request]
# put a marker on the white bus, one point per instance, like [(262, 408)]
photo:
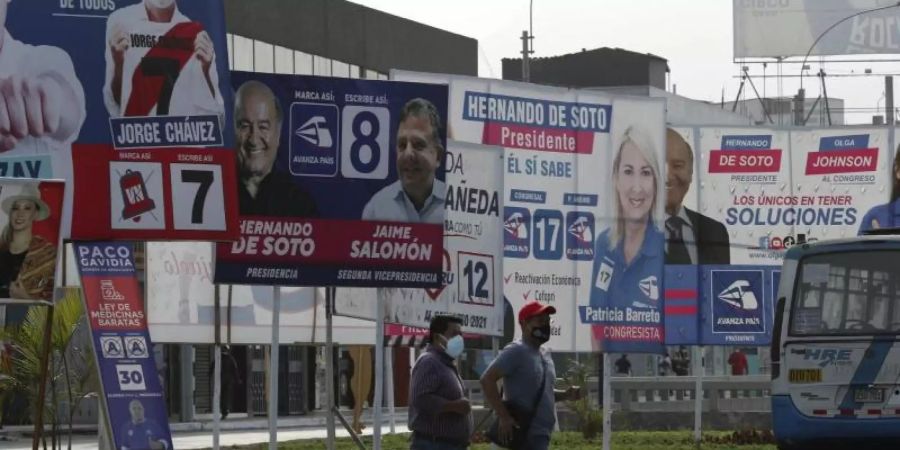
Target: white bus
[(835, 348)]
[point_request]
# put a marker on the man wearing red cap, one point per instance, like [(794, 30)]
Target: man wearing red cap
[(528, 377)]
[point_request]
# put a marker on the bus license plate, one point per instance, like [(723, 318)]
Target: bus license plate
[(805, 375), (868, 395)]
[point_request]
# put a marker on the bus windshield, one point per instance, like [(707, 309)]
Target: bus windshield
[(847, 293)]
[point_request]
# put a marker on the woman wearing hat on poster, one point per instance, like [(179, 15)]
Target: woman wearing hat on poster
[(27, 261)]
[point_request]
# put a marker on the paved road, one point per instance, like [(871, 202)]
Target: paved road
[(203, 439)]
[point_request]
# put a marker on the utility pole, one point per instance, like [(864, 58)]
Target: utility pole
[(889, 99), (799, 102), (526, 54), (527, 37)]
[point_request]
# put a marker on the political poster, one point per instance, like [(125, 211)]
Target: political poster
[(761, 191), (125, 99), (782, 28), (177, 195), (131, 392), (30, 217), (583, 209), (683, 251), (747, 187), (738, 304), (339, 183), (181, 304), (844, 175), (471, 286)]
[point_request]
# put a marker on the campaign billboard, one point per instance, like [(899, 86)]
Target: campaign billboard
[(782, 28), (339, 183), (581, 168), (121, 86), (181, 304), (30, 218), (845, 172), (754, 193), (472, 285), (132, 395)]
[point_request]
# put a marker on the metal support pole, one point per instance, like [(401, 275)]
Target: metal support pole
[(811, 110), (379, 372), (186, 376), (329, 368), (607, 404), (825, 94), (273, 371), (889, 99), (738, 96), (389, 376), (698, 395), (217, 370), (761, 101), (217, 394), (42, 388)]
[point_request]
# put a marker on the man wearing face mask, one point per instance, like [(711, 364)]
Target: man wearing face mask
[(528, 376), (439, 413)]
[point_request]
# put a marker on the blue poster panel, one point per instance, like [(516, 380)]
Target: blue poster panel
[(115, 94), (131, 388), (737, 304), (720, 304), (682, 304), (340, 182)]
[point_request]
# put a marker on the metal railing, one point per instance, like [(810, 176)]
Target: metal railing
[(673, 393)]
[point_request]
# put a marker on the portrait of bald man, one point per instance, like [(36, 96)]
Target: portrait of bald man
[(263, 190), (691, 237)]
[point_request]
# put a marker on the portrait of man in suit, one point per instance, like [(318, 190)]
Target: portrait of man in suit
[(691, 237)]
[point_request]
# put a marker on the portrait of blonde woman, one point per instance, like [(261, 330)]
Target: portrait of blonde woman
[(629, 255)]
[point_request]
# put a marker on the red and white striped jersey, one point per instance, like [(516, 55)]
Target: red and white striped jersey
[(161, 74)]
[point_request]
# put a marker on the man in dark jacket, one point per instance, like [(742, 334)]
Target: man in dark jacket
[(231, 377), (263, 190), (691, 237)]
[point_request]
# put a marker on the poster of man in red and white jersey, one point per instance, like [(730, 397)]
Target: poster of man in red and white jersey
[(159, 62), (125, 99)]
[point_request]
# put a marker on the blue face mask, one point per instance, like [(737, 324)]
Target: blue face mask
[(455, 346)]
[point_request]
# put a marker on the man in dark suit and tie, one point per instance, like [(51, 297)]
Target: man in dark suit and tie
[(691, 237)]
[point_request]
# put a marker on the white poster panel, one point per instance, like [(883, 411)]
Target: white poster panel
[(560, 190), (180, 304), (746, 185), (781, 28), (473, 253), (841, 174)]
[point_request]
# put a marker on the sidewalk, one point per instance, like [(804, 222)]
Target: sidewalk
[(198, 435)]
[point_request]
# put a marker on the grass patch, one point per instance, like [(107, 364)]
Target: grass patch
[(623, 440)]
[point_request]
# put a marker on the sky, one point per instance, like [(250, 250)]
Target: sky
[(695, 36)]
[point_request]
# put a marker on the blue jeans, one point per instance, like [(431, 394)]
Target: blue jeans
[(427, 444)]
